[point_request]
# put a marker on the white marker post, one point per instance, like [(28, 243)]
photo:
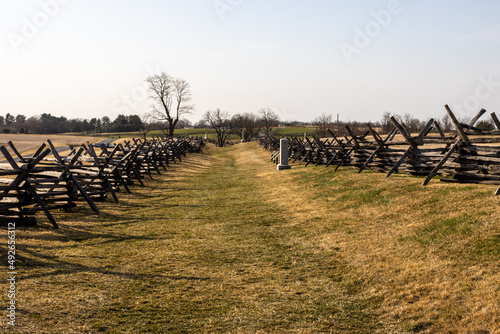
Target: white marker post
[(284, 155)]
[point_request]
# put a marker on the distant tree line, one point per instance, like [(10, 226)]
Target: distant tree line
[(414, 125), (49, 124), (247, 126)]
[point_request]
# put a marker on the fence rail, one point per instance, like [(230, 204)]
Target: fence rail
[(471, 155), (47, 181)]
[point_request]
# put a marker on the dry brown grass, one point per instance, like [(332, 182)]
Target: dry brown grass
[(27, 144), (225, 243)]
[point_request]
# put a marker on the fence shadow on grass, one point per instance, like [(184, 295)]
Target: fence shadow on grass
[(53, 266)]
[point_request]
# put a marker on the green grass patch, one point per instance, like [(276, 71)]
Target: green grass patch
[(489, 247), (158, 133), (211, 134), (441, 232), (296, 131)]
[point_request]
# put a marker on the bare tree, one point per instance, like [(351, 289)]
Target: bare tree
[(322, 124), (183, 124), (445, 123), (357, 128), (386, 123), (147, 123), (171, 98), (412, 124), (486, 125), (201, 124), (246, 126), (219, 121), (269, 120)]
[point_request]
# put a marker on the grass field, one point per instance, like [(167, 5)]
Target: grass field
[(285, 131), (211, 134), (223, 243), (28, 144)]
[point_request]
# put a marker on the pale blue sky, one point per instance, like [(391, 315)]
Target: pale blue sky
[(90, 58)]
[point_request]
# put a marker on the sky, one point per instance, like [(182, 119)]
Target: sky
[(357, 59)]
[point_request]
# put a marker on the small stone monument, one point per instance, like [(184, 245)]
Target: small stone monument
[(284, 155), (243, 135)]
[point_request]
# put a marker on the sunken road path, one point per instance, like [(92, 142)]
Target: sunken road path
[(222, 242)]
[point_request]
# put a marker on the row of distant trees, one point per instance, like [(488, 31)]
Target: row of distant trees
[(246, 125), (414, 125), (47, 123), (265, 122)]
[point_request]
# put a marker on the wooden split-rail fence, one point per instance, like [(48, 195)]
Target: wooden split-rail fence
[(469, 155), (46, 181)]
